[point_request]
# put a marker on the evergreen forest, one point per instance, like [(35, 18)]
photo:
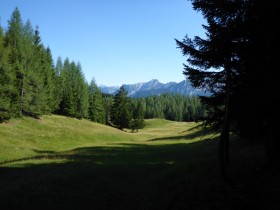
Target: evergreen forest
[(33, 84), (158, 152)]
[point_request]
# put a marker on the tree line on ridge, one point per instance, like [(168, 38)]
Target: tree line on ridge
[(32, 85)]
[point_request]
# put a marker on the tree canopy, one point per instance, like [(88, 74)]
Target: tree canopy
[(121, 109), (229, 63)]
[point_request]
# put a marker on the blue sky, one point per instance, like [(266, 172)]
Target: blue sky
[(116, 41)]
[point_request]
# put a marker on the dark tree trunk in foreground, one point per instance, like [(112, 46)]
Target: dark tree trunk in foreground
[(224, 136)]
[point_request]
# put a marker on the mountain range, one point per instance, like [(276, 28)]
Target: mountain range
[(154, 87)]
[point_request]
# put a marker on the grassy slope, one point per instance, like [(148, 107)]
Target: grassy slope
[(27, 137), (84, 165)]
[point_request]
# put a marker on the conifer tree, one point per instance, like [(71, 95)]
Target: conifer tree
[(30, 84), (60, 71), (74, 90), (121, 109), (259, 86), (58, 84), (14, 44), (171, 107), (137, 117), (32, 97), (59, 66), (108, 104), (214, 62), (49, 79), (96, 104), (81, 93), (67, 102), (7, 89)]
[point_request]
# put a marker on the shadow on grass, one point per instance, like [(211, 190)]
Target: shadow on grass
[(43, 151), (125, 176)]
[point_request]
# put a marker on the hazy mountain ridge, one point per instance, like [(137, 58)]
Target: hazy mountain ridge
[(154, 87)]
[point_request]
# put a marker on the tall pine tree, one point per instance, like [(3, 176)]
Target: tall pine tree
[(14, 44), (73, 90), (81, 93), (214, 62), (7, 88), (137, 121), (96, 104), (121, 109), (32, 103)]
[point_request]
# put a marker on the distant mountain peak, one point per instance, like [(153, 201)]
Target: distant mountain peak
[(154, 81), (154, 87)]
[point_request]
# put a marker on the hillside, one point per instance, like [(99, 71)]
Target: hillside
[(64, 163), (28, 137)]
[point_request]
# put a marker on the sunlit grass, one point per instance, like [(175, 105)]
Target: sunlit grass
[(64, 163), (28, 137)]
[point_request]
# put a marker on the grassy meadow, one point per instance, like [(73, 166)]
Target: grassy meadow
[(64, 163)]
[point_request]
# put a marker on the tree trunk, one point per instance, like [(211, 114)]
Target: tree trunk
[(224, 136), (272, 142), (224, 150)]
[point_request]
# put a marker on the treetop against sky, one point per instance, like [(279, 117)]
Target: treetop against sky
[(117, 42)]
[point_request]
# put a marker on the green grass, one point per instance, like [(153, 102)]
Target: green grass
[(64, 163), (28, 137)]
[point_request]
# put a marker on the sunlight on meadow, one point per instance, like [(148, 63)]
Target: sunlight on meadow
[(52, 138)]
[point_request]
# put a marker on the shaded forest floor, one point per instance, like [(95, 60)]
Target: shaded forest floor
[(163, 167)]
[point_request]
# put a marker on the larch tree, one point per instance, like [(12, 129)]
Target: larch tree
[(7, 88), (14, 44)]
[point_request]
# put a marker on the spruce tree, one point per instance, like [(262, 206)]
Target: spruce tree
[(58, 82), (73, 90), (32, 103), (49, 78), (121, 109), (260, 89), (96, 104), (60, 69), (214, 62), (67, 101), (81, 93), (108, 104), (137, 116)]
